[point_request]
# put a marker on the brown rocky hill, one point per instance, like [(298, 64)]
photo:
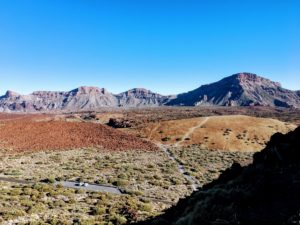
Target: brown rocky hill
[(265, 192), (242, 89), (38, 133)]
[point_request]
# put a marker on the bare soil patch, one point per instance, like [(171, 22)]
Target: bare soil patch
[(228, 133), (29, 135)]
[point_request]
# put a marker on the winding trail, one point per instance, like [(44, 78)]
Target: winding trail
[(180, 167), (165, 148), (191, 131)]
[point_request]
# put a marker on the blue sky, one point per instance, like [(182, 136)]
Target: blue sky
[(168, 46)]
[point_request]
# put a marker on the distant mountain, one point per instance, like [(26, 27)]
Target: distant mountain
[(82, 98), (242, 89), (265, 192), (141, 97)]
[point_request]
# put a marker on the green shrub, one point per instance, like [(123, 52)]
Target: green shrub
[(166, 139)]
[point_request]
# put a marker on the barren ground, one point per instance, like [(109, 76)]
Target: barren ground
[(228, 133), (28, 135)]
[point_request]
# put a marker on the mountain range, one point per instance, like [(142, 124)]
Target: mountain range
[(241, 89)]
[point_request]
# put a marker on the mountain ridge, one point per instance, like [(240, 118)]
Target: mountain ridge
[(241, 89)]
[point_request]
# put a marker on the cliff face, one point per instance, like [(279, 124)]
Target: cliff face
[(141, 97), (265, 192), (82, 98), (242, 89)]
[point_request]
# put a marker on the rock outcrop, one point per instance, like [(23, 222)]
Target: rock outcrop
[(265, 192), (141, 97)]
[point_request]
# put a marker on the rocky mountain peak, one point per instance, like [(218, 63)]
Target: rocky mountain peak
[(241, 89), (140, 97), (10, 94), (247, 76), (89, 90), (141, 92), (253, 79)]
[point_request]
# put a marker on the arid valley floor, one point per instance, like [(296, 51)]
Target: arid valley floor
[(153, 156)]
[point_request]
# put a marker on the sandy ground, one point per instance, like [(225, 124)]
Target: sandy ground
[(229, 133)]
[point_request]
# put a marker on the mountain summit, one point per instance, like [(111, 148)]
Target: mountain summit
[(242, 89), (141, 97)]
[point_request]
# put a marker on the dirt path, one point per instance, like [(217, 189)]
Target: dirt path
[(180, 166), (190, 131), (194, 183)]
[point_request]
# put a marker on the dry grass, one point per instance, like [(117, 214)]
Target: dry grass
[(229, 133)]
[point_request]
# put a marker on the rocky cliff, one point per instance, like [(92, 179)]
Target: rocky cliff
[(141, 97), (82, 98)]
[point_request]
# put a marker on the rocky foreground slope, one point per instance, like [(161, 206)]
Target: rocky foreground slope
[(243, 89), (265, 192)]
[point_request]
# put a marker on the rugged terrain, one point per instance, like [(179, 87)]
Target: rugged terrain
[(265, 192), (65, 147), (242, 89)]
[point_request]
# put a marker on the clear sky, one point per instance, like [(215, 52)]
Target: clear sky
[(168, 46)]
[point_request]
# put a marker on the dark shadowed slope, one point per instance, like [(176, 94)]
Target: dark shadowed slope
[(242, 89), (265, 192)]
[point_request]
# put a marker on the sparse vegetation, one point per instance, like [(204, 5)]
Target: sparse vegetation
[(149, 179)]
